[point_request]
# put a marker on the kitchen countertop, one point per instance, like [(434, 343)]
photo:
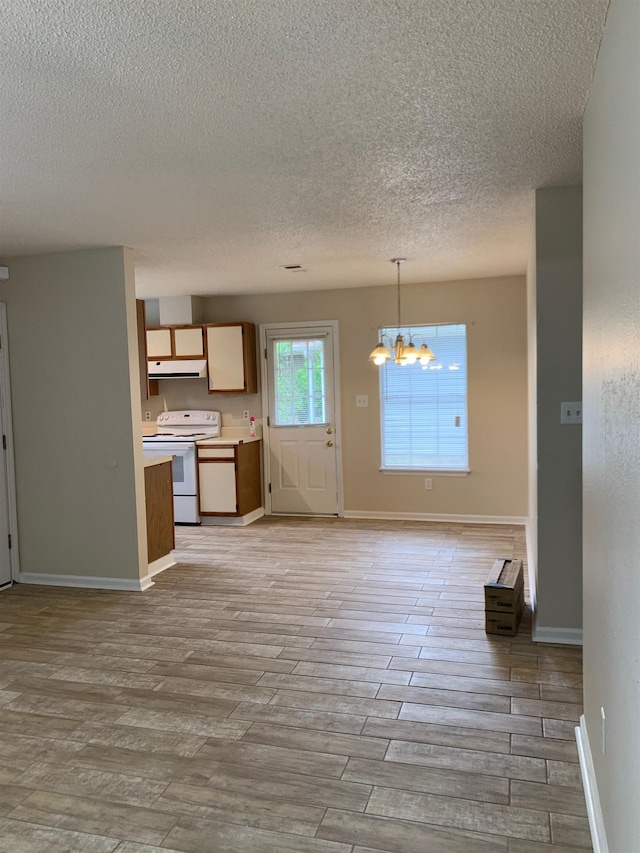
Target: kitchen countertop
[(229, 435), (156, 460), (227, 440)]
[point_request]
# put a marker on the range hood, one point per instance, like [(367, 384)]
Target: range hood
[(178, 369), (176, 311)]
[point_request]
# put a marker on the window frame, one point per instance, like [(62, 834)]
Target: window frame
[(415, 330)]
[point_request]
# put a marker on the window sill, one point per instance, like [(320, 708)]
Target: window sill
[(434, 472)]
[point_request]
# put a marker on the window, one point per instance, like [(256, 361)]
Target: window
[(424, 408), (299, 382)]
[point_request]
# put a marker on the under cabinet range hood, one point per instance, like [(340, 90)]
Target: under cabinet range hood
[(178, 369)]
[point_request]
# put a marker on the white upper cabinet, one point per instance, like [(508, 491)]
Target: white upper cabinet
[(188, 343), (158, 343), (175, 342), (231, 349)]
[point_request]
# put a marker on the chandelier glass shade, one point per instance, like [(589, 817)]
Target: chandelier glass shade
[(403, 350)]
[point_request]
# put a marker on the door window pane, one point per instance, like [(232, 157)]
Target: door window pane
[(299, 382)]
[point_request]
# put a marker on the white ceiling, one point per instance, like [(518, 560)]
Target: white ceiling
[(222, 139)]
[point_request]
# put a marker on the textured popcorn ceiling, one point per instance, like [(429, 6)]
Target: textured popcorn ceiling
[(222, 139)]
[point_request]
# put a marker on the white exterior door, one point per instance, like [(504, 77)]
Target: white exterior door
[(301, 429)]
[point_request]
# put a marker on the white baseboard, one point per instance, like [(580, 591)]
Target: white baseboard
[(431, 516), (596, 823), (532, 569), (562, 636), (159, 565), (233, 520), (86, 581)]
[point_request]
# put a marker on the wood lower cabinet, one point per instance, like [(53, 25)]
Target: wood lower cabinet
[(158, 488), (229, 479)]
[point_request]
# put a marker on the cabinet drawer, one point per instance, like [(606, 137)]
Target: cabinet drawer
[(216, 453)]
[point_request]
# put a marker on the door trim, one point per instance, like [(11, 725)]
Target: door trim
[(266, 446), (6, 423)]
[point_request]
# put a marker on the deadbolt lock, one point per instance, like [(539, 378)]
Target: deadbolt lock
[(329, 431)]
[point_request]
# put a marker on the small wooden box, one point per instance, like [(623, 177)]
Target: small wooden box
[(504, 598)]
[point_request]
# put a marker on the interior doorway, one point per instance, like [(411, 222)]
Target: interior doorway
[(301, 418)]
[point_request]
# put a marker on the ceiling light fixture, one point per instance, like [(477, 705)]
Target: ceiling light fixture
[(401, 352)]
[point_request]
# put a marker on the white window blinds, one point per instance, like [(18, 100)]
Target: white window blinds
[(424, 408)]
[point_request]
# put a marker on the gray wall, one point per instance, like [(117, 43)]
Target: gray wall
[(612, 423), (556, 295), (72, 345)]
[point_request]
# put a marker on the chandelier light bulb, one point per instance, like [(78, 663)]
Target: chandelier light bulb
[(425, 355), (380, 354), (410, 354)]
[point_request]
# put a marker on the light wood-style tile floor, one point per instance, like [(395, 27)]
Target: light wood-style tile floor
[(300, 685)]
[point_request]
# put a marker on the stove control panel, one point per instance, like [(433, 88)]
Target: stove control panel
[(189, 418)]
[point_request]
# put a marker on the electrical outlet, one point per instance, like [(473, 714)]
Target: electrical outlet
[(147, 416), (428, 483), (571, 413), (603, 731), (245, 414)]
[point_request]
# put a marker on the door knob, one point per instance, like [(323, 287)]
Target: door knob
[(329, 431), (329, 444)]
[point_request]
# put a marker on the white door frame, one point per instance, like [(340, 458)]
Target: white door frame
[(6, 424), (266, 444)]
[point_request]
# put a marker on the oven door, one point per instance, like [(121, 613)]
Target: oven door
[(185, 469)]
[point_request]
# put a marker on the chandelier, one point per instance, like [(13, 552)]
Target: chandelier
[(401, 351)]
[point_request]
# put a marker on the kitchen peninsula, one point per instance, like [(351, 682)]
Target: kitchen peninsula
[(158, 486)]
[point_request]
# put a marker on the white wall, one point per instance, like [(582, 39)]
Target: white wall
[(495, 312), (555, 373), (612, 422), (75, 395)]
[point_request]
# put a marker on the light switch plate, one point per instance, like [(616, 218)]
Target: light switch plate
[(571, 413), (362, 401)]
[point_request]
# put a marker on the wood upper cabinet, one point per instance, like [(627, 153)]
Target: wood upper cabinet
[(231, 353), (148, 387), (175, 342)]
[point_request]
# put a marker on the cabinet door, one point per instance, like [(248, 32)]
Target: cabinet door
[(218, 487), (226, 358), (231, 354), (158, 343), (188, 342)]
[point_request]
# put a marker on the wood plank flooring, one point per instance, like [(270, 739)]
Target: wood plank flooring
[(299, 685)]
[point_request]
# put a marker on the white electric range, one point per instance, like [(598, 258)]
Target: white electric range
[(176, 435)]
